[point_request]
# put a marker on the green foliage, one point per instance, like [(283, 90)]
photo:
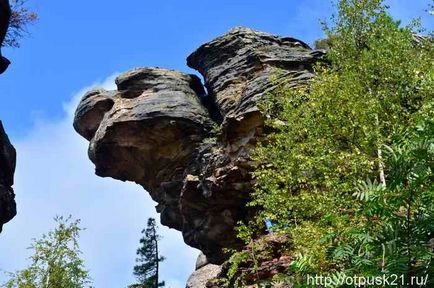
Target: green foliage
[(397, 236), (147, 269), (237, 260), (245, 258), (56, 260), (401, 215), (366, 115), (324, 44)]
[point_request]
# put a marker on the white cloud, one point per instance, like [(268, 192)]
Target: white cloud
[(55, 177)]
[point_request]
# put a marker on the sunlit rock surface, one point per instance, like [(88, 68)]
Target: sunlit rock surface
[(202, 276)]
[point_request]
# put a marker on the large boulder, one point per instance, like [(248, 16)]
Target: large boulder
[(7, 168), (190, 149), (202, 276), (148, 131)]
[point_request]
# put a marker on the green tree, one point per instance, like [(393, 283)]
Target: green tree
[(341, 128), (399, 234), (56, 260), (147, 269)]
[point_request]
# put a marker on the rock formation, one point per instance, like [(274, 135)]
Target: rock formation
[(7, 151), (201, 277), (190, 148), (7, 169)]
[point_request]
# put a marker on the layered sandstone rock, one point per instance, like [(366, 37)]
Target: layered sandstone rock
[(7, 169), (243, 65), (191, 149)]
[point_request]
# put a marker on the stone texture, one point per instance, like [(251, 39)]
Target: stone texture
[(147, 131), (157, 130), (239, 69), (7, 169), (201, 261), (243, 65), (91, 110), (200, 278)]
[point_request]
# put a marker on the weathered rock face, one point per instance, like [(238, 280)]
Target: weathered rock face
[(238, 68), (157, 130), (147, 132), (7, 169)]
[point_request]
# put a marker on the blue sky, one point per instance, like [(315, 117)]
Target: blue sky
[(80, 44)]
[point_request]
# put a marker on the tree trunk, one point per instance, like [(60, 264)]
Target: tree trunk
[(156, 259), (381, 166), (380, 155)]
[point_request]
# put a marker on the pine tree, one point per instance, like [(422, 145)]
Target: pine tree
[(147, 268)]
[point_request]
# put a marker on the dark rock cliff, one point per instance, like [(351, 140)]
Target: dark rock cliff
[(7, 169), (190, 148), (7, 151)]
